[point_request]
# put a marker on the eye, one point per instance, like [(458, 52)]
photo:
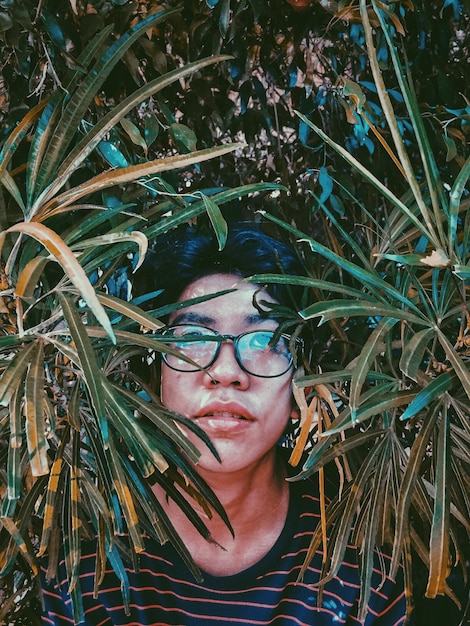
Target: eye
[(189, 331), (259, 340)]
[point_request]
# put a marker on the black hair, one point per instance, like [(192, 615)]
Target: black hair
[(185, 254)]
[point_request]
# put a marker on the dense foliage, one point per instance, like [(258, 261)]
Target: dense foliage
[(377, 206)]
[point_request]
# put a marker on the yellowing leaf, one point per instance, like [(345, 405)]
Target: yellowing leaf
[(354, 91), (437, 258), (139, 238), (64, 255)]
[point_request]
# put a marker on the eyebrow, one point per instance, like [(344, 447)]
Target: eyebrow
[(193, 317)]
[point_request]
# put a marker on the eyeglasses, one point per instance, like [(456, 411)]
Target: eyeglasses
[(261, 353)]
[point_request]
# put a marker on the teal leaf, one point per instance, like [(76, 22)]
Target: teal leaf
[(436, 388), (217, 220)]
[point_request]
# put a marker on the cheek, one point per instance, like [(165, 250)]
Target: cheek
[(169, 385)]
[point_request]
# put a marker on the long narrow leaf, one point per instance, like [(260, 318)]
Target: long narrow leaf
[(306, 281), (365, 277), (82, 96), (383, 189), (62, 253), (439, 540), (130, 311), (392, 123), (19, 132), (456, 361), (407, 487), (92, 138), (372, 347), (217, 220), (14, 373), (90, 369), (413, 352), (125, 496), (114, 238), (456, 192), (34, 408), (131, 174), (434, 183), (9, 183), (334, 309), (47, 122), (16, 435), (435, 389), (44, 129)]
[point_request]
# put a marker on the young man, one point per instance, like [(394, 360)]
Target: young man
[(241, 396)]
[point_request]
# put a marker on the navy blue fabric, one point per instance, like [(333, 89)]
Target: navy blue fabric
[(164, 592)]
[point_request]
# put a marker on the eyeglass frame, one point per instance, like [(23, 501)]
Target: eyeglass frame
[(220, 338)]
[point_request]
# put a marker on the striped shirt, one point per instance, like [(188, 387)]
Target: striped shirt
[(164, 592)]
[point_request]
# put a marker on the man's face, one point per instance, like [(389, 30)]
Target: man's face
[(244, 415)]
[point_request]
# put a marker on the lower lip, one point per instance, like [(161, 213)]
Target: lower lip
[(223, 424)]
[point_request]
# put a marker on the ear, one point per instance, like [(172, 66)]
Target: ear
[(295, 411)]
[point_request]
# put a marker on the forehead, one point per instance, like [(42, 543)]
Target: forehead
[(237, 305)]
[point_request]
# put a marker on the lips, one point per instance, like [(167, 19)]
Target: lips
[(224, 419), (225, 411)]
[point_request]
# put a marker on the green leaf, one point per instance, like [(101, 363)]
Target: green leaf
[(410, 479), (152, 128), (131, 311), (16, 437), (372, 280), (89, 366), (383, 400), (456, 193), (333, 309), (14, 138), (183, 138), (462, 271), (134, 133), (434, 390), (413, 352), (457, 362), (9, 183), (124, 494), (451, 147), (13, 375), (373, 346), (217, 220), (406, 259), (324, 452), (84, 93), (306, 281)]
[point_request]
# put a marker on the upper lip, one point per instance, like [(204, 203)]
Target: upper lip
[(232, 408)]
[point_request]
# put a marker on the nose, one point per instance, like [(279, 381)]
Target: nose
[(226, 370)]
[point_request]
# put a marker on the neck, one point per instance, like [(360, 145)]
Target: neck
[(244, 493), (256, 502)]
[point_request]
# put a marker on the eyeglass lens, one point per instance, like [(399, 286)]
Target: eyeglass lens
[(254, 350)]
